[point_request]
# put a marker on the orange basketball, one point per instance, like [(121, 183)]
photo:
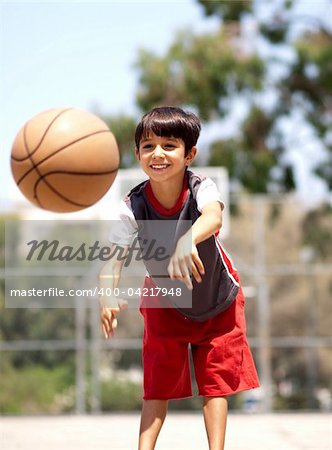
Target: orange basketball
[(64, 159)]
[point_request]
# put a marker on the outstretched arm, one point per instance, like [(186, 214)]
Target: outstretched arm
[(208, 223), (186, 257)]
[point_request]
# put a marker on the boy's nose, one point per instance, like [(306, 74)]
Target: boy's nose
[(158, 151)]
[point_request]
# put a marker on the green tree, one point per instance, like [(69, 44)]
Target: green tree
[(211, 72), (309, 87), (123, 128)]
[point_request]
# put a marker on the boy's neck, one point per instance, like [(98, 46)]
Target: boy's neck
[(168, 192)]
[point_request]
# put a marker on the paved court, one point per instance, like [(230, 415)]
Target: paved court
[(180, 432)]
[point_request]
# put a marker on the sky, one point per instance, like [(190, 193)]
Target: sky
[(81, 54), (78, 54)]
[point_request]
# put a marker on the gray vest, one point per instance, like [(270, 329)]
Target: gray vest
[(218, 288)]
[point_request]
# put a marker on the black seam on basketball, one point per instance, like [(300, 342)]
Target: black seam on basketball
[(30, 157), (35, 166), (55, 192), (43, 136), (59, 193), (25, 143)]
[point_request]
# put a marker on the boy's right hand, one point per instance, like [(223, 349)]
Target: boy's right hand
[(186, 262), (109, 322)]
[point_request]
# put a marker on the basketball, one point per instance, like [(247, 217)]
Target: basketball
[(64, 159)]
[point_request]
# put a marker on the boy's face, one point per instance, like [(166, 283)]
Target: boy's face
[(163, 158)]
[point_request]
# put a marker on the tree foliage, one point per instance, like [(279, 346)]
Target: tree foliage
[(209, 72), (225, 9), (309, 87), (200, 71), (123, 127)]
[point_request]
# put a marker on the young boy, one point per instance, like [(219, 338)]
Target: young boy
[(213, 326)]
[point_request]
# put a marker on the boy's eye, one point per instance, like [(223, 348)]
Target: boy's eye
[(168, 146)]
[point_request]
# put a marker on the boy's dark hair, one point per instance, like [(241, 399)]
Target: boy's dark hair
[(169, 121)]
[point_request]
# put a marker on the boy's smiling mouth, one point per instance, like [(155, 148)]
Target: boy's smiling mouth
[(159, 167)]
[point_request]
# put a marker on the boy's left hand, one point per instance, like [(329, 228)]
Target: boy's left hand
[(185, 261)]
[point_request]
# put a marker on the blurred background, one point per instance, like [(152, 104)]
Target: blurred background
[(259, 75)]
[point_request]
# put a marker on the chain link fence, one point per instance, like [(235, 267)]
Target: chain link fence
[(289, 321)]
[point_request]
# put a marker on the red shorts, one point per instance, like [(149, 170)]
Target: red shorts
[(221, 356)]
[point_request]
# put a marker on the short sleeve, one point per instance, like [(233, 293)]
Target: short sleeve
[(207, 193), (124, 228)]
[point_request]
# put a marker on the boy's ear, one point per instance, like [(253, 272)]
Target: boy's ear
[(191, 156), (137, 153)]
